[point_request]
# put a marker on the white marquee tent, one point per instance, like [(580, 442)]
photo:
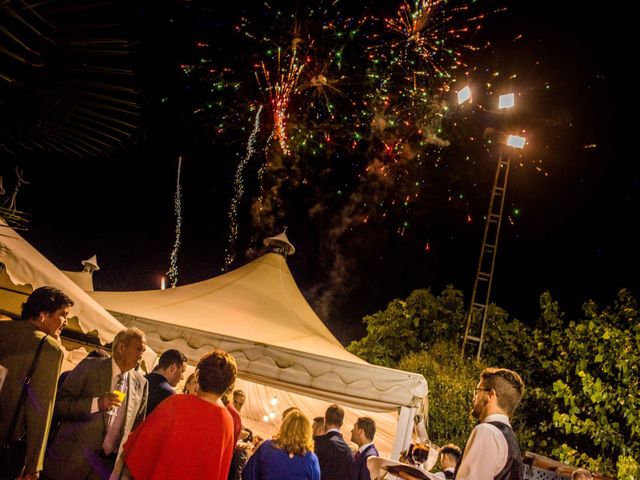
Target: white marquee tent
[(285, 353)]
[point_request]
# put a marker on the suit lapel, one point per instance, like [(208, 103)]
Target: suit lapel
[(132, 399), (105, 386)]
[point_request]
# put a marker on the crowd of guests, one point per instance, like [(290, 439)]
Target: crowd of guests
[(105, 420)]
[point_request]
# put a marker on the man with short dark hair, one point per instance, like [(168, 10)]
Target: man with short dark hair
[(362, 435), (334, 455), (165, 376), (449, 457), (44, 315), (492, 450)]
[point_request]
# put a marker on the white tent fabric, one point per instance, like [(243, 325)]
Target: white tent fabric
[(24, 265), (258, 314)]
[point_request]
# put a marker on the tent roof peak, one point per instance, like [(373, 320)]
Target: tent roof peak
[(280, 244), (91, 264)]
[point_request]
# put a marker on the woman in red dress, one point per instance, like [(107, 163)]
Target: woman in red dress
[(188, 436)]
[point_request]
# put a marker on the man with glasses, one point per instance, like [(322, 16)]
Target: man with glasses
[(492, 450)]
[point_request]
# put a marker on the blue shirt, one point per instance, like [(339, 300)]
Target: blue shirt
[(271, 463)]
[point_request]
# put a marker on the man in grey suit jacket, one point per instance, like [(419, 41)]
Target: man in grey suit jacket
[(89, 443)]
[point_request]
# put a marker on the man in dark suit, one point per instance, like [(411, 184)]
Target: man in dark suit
[(44, 314), (95, 421), (362, 435), (333, 452), (165, 376)]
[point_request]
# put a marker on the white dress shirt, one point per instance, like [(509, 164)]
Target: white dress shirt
[(486, 452)]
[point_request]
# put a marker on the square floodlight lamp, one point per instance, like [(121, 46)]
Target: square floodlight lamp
[(508, 100), (515, 141), (464, 95)]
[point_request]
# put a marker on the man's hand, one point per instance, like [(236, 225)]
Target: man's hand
[(108, 401)]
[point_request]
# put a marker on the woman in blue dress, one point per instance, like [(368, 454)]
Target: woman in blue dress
[(288, 456)]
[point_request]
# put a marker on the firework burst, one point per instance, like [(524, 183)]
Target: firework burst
[(279, 95)]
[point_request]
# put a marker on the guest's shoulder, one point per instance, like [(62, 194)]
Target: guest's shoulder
[(485, 429), (320, 440), (90, 364), (51, 344), (268, 443), (203, 407), (339, 439), (154, 378), (182, 400), (19, 333)]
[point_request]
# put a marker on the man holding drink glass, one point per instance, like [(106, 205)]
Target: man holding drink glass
[(99, 403)]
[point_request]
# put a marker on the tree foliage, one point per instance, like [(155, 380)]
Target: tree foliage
[(593, 371), (411, 325), (582, 397), (451, 388)]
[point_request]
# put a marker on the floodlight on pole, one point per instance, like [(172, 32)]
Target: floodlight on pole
[(516, 141), (481, 293), (464, 95), (508, 100)]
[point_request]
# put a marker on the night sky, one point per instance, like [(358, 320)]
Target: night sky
[(374, 212)]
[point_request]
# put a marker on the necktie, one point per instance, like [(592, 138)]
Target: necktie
[(112, 438), (357, 455)]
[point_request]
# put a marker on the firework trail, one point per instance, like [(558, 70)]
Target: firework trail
[(172, 274), (239, 192), (280, 96)]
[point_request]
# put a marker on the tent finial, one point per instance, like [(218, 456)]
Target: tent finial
[(90, 264), (279, 244)]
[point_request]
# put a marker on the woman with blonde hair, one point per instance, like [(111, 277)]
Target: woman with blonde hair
[(191, 386), (289, 455)]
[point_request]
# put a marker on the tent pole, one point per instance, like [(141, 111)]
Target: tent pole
[(404, 431)]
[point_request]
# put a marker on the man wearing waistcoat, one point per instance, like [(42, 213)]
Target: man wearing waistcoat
[(362, 435), (492, 450)]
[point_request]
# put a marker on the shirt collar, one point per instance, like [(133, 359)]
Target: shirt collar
[(364, 447), (497, 417)]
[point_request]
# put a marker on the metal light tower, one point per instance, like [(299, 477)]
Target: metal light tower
[(481, 293)]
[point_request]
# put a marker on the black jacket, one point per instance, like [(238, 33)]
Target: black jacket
[(334, 456), (159, 389)]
